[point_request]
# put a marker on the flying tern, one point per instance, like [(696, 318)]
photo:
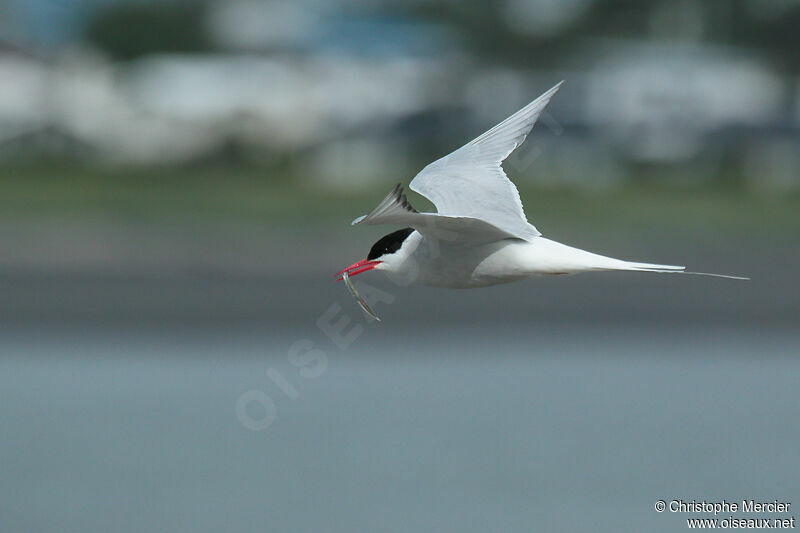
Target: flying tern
[(479, 235)]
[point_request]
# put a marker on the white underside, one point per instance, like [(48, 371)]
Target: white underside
[(440, 264)]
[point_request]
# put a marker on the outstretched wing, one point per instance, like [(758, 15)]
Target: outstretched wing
[(395, 209), (470, 182)]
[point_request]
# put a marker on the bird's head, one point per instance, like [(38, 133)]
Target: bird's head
[(387, 254)]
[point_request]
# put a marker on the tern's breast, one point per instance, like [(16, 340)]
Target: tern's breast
[(466, 266)]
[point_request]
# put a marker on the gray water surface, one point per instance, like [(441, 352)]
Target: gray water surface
[(473, 429)]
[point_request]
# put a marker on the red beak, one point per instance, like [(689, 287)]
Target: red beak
[(357, 268)]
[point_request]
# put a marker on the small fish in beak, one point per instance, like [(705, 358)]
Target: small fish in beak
[(359, 299)]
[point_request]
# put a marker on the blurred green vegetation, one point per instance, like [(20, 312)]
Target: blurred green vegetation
[(257, 196), (128, 31)]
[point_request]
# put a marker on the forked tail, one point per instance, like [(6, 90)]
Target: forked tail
[(672, 269)]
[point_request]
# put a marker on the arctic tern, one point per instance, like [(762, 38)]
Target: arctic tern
[(479, 235)]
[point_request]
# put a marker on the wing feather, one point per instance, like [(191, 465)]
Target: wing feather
[(395, 209), (470, 182)]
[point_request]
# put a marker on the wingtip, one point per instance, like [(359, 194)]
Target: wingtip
[(556, 87), (548, 94)]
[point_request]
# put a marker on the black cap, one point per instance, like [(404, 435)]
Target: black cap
[(389, 244)]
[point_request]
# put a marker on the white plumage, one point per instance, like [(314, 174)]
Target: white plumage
[(480, 235)]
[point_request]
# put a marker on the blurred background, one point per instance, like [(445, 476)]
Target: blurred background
[(177, 180)]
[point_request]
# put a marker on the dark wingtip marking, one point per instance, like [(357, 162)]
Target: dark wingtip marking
[(402, 200)]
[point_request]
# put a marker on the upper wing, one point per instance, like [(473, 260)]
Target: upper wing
[(395, 209), (470, 182)]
